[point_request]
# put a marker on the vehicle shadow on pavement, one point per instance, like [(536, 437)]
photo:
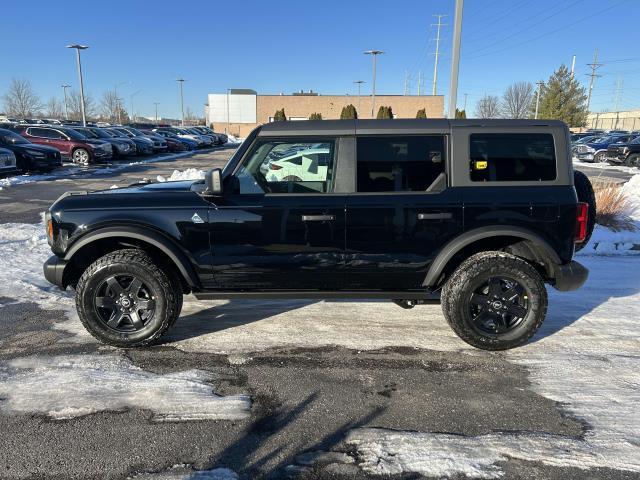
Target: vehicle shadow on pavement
[(607, 281), (229, 315)]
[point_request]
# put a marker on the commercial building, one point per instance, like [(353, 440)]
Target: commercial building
[(627, 120), (241, 110)]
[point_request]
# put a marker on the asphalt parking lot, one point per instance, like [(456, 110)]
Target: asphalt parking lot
[(307, 389)]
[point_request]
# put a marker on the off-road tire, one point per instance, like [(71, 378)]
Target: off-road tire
[(633, 160), (484, 265), (167, 293), (585, 192)]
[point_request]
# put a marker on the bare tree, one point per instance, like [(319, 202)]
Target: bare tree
[(73, 102), (21, 101), (111, 108), (516, 101), (488, 107), (54, 108)]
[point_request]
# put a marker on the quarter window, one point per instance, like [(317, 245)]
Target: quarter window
[(286, 166), (399, 163), (512, 157)]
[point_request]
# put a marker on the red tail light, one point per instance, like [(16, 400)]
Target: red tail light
[(273, 166), (582, 215)]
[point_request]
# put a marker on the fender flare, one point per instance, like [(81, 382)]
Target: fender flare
[(161, 242), (467, 238)]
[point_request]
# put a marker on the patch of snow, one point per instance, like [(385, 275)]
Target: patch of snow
[(184, 472), (188, 174), (606, 166), (233, 140), (69, 386)]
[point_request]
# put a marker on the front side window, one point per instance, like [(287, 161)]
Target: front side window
[(512, 157), (399, 163), (287, 166)]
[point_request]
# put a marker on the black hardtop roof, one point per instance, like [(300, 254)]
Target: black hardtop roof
[(410, 125)]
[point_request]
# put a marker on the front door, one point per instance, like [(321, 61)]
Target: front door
[(403, 212), (279, 225)]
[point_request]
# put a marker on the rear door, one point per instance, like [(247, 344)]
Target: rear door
[(402, 212)]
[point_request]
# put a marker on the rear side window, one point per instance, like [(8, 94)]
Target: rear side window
[(399, 163), (512, 157)]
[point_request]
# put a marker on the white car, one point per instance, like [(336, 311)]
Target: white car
[(308, 165)]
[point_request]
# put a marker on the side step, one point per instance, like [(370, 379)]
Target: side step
[(417, 296)]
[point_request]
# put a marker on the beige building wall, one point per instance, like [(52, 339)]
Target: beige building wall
[(299, 107), (628, 120)]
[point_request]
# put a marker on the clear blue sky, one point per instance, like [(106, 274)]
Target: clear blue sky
[(284, 46)]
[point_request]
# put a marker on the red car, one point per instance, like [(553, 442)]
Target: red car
[(71, 144)]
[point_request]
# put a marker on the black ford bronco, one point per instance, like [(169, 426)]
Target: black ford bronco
[(475, 214)]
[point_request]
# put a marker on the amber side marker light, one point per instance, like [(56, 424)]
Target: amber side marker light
[(50, 230)]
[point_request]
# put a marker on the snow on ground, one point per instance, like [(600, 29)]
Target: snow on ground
[(70, 386), (183, 472), (605, 165), (188, 174)]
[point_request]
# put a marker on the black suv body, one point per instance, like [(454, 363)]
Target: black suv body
[(625, 153), (477, 214)]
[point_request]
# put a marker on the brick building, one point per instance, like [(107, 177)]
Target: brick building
[(240, 111)]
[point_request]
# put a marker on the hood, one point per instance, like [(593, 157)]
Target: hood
[(178, 186), (93, 141), (32, 146)]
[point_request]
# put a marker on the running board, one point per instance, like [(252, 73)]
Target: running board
[(420, 296)]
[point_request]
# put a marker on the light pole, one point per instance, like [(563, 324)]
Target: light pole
[(228, 120), (455, 59), (115, 94), (359, 83), (133, 115), (156, 104), (66, 108), (374, 54), (181, 82), (79, 47)]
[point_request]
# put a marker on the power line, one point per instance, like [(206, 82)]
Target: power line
[(437, 52), (594, 66)]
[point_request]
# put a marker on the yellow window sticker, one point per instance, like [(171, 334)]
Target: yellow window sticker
[(480, 165)]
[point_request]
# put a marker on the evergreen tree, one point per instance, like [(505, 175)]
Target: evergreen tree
[(349, 112), (461, 113), (422, 113), (315, 116), (562, 98), (279, 116), (384, 113)]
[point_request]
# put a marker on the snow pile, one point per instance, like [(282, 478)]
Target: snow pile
[(607, 242), (585, 358), (188, 174), (233, 140), (75, 385)]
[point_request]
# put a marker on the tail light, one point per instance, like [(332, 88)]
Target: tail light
[(273, 166), (582, 215)]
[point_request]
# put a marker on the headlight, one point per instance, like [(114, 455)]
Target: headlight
[(585, 149)]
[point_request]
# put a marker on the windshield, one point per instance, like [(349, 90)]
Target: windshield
[(74, 135), (635, 141), (99, 133), (86, 132), (135, 132), (10, 138)]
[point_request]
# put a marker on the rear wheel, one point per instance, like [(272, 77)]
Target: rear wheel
[(585, 193), (125, 300), (80, 156), (494, 301)]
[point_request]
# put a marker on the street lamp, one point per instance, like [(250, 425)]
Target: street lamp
[(374, 54), (115, 94), (133, 115), (156, 104), (66, 108), (79, 47), (181, 82), (359, 83)]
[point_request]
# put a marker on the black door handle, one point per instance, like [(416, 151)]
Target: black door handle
[(318, 218), (434, 216)]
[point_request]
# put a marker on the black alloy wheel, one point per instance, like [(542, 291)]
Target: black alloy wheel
[(498, 305), (124, 303)]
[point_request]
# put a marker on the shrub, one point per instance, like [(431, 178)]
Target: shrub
[(613, 208), (384, 113), (315, 116), (279, 116), (349, 112), (422, 113)]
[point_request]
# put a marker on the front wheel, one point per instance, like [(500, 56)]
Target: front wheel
[(633, 160), (124, 299), (494, 301), (600, 157), (81, 156)]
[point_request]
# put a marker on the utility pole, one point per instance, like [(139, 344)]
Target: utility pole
[(118, 108), (133, 115), (156, 104), (181, 82), (465, 102), (66, 108), (616, 101), (594, 66), (374, 54), (573, 65), (419, 83), (228, 110), (406, 82), (77, 48), (437, 52), (359, 83), (455, 58), (539, 83)]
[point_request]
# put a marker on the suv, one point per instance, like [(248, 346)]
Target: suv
[(475, 214), (625, 153)]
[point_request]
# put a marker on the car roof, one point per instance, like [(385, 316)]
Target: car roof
[(403, 125)]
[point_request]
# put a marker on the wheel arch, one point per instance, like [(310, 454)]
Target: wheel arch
[(104, 240), (518, 241)]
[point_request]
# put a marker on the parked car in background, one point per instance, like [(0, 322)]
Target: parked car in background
[(218, 138), (625, 153), (158, 144), (208, 140), (7, 162), (577, 136), (70, 143), (30, 157), (174, 145), (144, 145), (187, 142), (596, 150), (183, 134), (122, 147)]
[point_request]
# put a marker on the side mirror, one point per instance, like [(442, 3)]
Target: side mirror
[(213, 182)]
